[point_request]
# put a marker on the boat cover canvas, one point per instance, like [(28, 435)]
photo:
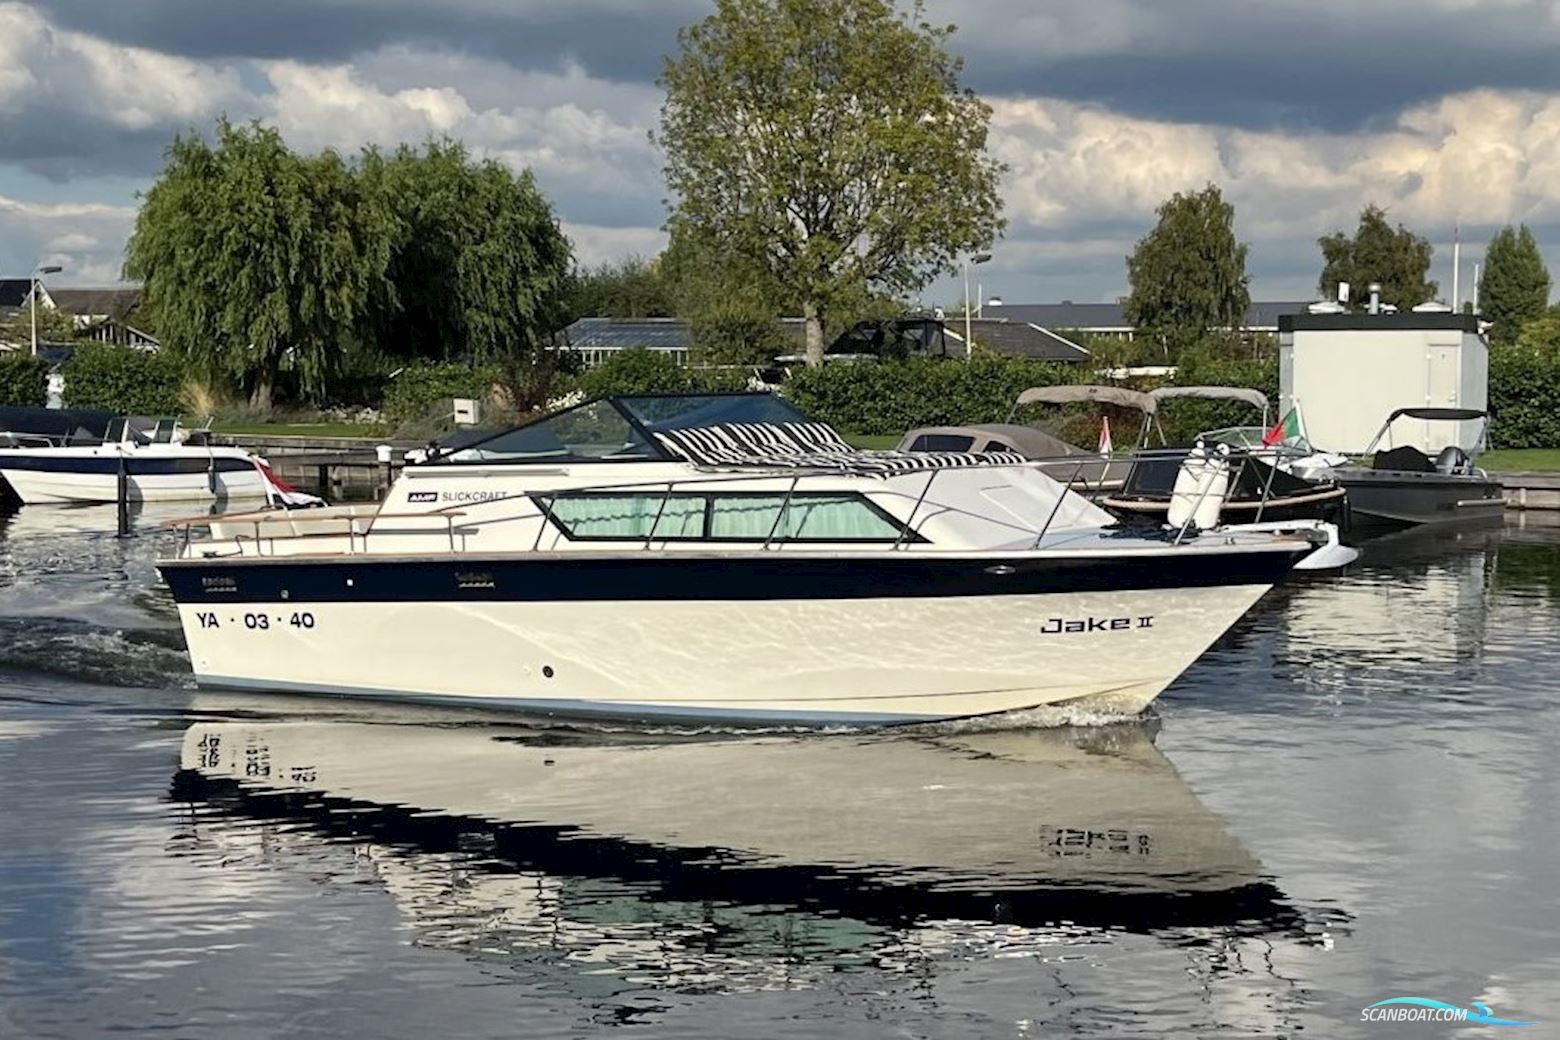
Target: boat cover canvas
[(1030, 442), (1255, 398), (1117, 395), (77, 425)]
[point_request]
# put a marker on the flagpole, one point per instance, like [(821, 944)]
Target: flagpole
[(1456, 264)]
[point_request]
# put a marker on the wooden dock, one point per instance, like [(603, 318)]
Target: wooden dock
[(1530, 491), (336, 468)]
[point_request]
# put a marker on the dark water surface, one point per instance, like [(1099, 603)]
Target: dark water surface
[(1355, 796)]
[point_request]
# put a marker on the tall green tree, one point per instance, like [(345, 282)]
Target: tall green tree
[(477, 267), (828, 145), (1396, 258), (629, 288), (1188, 275), (257, 262), (1514, 286)]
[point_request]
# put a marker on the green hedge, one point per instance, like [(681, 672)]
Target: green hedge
[(1524, 398), (418, 390), (1182, 419), (890, 397), (23, 379), (130, 382), (640, 371)]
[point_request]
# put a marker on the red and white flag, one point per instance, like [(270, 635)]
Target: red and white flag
[(280, 493), (1105, 448)]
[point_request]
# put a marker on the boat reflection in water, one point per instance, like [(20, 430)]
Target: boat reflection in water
[(741, 863)]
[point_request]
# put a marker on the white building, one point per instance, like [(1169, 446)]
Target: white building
[(1347, 372)]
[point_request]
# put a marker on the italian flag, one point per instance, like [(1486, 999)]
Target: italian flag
[(1287, 428)]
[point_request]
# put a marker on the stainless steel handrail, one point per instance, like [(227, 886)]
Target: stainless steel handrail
[(545, 499)]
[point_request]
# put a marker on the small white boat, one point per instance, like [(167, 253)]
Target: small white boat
[(161, 462), (720, 557)]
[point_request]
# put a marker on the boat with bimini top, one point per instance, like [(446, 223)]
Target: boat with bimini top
[(1255, 463), (719, 557), (1403, 486)]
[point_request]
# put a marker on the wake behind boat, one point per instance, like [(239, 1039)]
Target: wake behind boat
[(720, 557)]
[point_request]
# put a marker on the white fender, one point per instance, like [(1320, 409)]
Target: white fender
[(1212, 489), (1188, 481)]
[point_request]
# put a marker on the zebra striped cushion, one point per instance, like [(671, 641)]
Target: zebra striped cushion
[(762, 438), (817, 437), (704, 445), (714, 451)]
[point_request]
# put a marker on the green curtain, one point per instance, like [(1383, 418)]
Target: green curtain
[(630, 516), (813, 518)]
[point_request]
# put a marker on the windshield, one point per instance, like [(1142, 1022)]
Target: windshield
[(683, 412), (1252, 437), (592, 431), (616, 429)]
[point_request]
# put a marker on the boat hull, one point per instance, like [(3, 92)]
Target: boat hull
[(63, 475), (1406, 499), (758, 640)]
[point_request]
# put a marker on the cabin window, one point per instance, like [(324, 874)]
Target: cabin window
[(807, 518), (992, 446), (629, 516), (721, 517), (942, 442)]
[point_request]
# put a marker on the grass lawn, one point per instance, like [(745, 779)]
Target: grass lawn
[(300, 429), (875, 442), (1521, 460)]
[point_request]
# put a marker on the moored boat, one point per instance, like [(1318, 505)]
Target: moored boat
[(1260, 486), (719, 556), (1404, 486), (159, 459)]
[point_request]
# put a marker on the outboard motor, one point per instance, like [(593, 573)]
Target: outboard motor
[(1453, 459)]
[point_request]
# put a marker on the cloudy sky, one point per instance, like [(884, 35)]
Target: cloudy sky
[(1302, 110)]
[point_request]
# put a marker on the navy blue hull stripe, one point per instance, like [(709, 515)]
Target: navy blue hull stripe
[(672, 577), (109, 466)]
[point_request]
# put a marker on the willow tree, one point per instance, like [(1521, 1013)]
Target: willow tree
[(828, 145), (256, 261), (478, 267)]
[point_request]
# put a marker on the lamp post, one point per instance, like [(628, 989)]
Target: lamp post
[(969, 339), (37, 280)]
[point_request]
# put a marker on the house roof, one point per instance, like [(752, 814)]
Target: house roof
[(13, 292), (1018, 339), (1263, 314), (1414, 321), (625, 333), (114, 301)]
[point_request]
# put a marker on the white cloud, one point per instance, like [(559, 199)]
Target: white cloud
[(86, 239), (1084, 180), (595, 245), (1483, 157), (44, 67)]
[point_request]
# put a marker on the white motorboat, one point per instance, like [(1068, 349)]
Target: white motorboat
[(719, 556), (161, 462)]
